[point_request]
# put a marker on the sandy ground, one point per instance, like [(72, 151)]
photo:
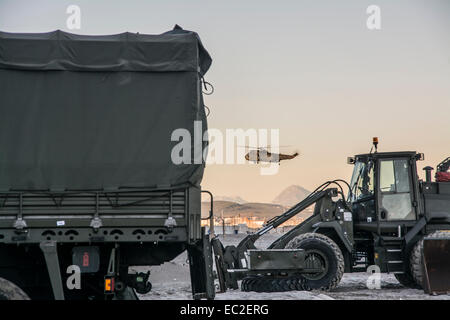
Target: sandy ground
[(171, 281)]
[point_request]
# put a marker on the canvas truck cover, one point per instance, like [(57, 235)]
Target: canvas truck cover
[(84, 112)]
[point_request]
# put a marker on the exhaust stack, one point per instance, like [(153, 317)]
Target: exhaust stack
[(428, 170)]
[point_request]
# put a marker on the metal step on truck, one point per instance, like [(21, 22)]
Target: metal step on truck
[(88, 184), (389, 220)]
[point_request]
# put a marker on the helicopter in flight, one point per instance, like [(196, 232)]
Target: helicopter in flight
[(260, 154)]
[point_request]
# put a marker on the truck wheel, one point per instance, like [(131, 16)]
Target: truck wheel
[(416, 261), (324, 253), (9, 291)]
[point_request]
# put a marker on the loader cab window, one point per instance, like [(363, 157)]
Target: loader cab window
[(396, 202), (362, 181), (362, 192)]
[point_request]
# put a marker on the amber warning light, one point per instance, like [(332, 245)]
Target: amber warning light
[(375, 143), (109, 284)]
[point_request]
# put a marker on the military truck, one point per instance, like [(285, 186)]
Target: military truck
[(381, 221), (88, 185)]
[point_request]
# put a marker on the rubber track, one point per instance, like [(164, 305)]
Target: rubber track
[(271, 284)]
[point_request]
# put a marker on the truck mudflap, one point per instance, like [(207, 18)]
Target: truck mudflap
[(436, 265), (224, 258), (201, 268)]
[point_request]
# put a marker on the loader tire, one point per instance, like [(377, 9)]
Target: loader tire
[(406, 280), (416, 261), (320, 250), (262, 283), (9, 291)]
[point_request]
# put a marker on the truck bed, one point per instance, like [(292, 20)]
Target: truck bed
[(90, 216)]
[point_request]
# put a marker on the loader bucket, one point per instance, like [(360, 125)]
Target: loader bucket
[(436, 265)]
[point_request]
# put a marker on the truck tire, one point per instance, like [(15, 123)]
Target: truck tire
[(9, 291), (416, 262), (320, 249)]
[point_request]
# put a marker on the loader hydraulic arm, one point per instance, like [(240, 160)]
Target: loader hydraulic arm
[(249, 241), (230, 260)]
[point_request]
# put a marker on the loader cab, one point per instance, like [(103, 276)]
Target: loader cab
[(384, 188)]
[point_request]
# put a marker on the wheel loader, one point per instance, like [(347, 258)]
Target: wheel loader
[(385, 217)]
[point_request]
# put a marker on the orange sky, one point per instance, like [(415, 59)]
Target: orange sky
[(311, 69), (330, 85)]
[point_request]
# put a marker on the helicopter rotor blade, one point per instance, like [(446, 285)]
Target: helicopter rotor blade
[(264, 147)]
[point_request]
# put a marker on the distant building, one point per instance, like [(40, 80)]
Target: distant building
[(243, 225)]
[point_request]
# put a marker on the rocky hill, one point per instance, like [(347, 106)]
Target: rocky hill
[(291, 196), (250, 209), (236, 199)]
